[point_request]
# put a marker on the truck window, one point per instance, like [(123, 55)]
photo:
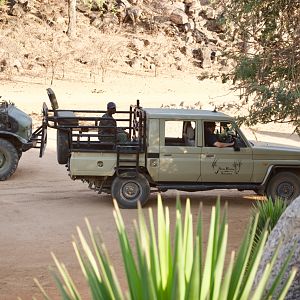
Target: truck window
[(180, 133), (225, 132)]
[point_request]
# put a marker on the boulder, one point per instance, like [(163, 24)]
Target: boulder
[(200, 37), (179, 17), (136, 63), (7, 64), (205, 2), (287, 230), (194, 9), (16, 63), (189, 2), (137, 44), (206, 52), (179, 5), (125, 3), (3, 64), (209, 13), (17, 11)]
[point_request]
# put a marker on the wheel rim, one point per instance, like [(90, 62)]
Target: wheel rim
[(131, 190), (2, 160), (285, 190)]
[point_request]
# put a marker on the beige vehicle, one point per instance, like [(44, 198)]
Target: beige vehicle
[(166, 149)]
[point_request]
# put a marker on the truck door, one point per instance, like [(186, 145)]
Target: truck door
[(179, 159), (225, 165)]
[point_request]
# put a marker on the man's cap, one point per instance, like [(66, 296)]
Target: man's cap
[(111, 105)]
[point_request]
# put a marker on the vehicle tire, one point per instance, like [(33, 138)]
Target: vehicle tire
[(128, 190), (9, 159), (19, 153), (285, 185), (63, 148), (259, 192)]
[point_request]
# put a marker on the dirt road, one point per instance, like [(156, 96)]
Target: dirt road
[(40, 208)]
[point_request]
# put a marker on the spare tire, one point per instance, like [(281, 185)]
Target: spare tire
[(62, 146)]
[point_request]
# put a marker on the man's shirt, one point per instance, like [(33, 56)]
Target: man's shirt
[(210, 139), (106, 121)]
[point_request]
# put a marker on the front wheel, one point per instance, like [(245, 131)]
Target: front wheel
[(9, 159), (128, 190), (285, 185)]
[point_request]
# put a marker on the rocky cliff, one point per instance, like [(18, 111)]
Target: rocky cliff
[(130, 36)]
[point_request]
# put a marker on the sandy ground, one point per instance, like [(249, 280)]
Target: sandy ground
[(40, 206)]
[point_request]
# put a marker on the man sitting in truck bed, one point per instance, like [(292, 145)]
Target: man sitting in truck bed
[(108, 131)]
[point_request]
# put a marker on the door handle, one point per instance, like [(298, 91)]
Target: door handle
[(210, 155), (167, 154)]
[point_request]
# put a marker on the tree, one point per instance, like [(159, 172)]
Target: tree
[(72, 19), (265, 36)]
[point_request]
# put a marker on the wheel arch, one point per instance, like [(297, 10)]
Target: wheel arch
[(275, 169), (129, 171), (13, 139)]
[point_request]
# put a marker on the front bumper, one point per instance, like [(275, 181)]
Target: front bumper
[(28, 145)]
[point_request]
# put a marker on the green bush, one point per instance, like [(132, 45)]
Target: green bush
[(269, 213), (158, 271)]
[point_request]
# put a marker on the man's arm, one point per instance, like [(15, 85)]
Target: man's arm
[(223, 145)]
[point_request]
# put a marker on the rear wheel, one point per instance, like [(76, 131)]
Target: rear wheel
[(9, 159), (63, 148), (128, 190), (285, 185)]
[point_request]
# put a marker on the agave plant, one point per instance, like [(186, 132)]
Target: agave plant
[(156, 270), (269, 212)]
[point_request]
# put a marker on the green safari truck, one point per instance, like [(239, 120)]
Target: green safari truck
[(16, 137)]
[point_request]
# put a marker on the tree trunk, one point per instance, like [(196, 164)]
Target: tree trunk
[(72, 19)]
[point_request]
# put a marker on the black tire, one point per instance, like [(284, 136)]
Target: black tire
[(9, 159), (128, 190), (19, 153), (285, 185), (62, 147), (259, 192)]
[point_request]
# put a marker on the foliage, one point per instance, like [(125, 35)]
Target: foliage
[(269, 213), (3, 2), (155, 271), (265, 37)]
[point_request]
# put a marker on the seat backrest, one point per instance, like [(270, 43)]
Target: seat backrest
[(188, 132)]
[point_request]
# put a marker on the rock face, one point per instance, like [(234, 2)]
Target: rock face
[(286, 230), (177, 35)]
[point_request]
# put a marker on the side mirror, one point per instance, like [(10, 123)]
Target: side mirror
[(236, 147)]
